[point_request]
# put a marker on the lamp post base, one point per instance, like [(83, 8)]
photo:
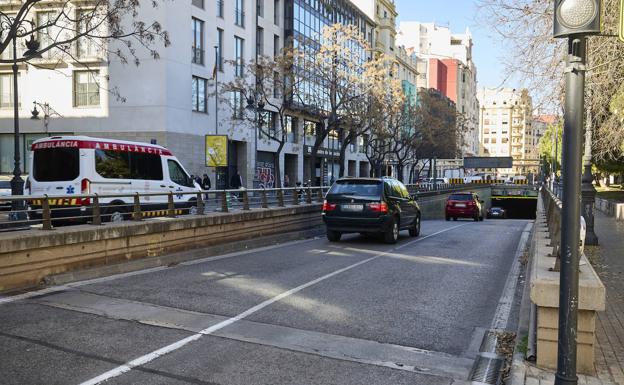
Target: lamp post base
[(588, 198)]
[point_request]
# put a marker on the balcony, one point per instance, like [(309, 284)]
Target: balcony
[(387, 22)]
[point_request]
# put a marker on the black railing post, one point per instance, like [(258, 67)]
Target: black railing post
[(97, 212), (46, 216), (170, 206), (265, 203), (136, 208)]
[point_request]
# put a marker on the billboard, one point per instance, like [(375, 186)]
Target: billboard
[(216, 150), (488, 162)]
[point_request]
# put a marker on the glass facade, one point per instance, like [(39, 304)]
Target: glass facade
[(305, 21)]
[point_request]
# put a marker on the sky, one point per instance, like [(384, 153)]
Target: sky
[(459, 14)]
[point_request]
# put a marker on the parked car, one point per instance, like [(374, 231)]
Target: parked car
[(496, 212), (370, 205), (80, 165), (463, 205)]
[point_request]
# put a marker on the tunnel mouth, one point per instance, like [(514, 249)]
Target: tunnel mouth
[(517, 208)]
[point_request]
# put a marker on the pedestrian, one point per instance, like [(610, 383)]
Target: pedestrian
[(206, 185), (236, 182), (286, 181)]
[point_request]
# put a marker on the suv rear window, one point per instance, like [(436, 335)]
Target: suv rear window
[(357, 187), (56, 164), (460, 197)]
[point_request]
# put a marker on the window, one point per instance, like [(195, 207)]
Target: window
[(220, 49), (198, 94), (198, 3), (220, 8), (260, 7), (309, 128), (237, 104), (239, 13), (239, 56), (198, 41), (86, 47), (128, 165), (276, 12), (276, 45), (260, 41), (290, 128), (177, 174), (86, 88), (56, 164), (6, 90), (46, 34), (276, 84)]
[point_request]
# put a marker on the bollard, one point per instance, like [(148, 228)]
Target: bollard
[(295, 197), (46, 216), (200, 204), (320, 194), (265, 203), (245, 200), (280, 198), (170, 206), (136, 212), (309, 195), (97, 212), (224, 203)]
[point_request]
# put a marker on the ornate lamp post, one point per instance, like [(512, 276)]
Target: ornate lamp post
[(588, 191), (256, 104), (15, 29), (48, 112)]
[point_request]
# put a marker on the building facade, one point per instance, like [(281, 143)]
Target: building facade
[(506, 129), (445, 64), (175, 100)]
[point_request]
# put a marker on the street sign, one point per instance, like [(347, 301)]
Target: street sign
[(488, 162)]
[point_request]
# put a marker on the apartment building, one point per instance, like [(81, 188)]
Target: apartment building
[(445, 64), (506, 128)]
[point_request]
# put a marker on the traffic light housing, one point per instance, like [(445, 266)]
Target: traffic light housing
[(577, 17)]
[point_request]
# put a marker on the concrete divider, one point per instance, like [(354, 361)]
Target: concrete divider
[(611, 208), (544, 288), (27, 257)]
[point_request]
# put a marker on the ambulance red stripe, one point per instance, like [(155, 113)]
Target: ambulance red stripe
[(100, 145)]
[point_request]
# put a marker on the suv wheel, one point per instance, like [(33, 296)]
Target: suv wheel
[(414, 231), (476, 217), (392, 234), (333, 236)]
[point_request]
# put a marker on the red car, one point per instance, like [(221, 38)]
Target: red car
[(463, 205)]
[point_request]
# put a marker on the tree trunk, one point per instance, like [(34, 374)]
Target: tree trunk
[(278, 172), (313, 154)]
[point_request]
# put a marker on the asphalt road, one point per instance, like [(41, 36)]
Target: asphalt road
[(306, 312)]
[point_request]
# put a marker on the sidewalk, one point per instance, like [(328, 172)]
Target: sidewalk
[(608, 261)]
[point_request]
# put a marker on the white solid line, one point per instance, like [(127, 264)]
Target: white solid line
[(177, 345), (503, 310)]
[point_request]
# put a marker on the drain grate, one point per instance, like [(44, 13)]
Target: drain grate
[(488, 366)]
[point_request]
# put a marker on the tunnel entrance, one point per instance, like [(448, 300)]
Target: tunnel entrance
[(517, 208)]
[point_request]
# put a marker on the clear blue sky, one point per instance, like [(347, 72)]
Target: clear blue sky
[(459, 14)]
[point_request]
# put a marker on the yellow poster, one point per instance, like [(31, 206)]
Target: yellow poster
[(216, 150)]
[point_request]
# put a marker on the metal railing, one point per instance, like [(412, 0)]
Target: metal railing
[(48, 211)]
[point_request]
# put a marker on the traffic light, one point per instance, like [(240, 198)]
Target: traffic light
[(577, 17)]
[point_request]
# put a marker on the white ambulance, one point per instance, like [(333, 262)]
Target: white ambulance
[(71, 165)]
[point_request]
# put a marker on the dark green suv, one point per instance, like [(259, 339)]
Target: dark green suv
[(370, 205)]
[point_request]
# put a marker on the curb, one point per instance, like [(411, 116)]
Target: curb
[(179, 257)]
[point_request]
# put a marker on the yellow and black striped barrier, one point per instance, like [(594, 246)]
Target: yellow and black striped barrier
[(160, 213), (521, 181), (456, 181), (58, 202)]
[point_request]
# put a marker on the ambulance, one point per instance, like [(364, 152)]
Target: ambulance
[(81, 165)]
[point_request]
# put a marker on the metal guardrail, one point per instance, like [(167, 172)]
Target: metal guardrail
[(47, 211)]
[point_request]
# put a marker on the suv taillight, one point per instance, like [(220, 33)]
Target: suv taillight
[(378, 207), (328, 206)]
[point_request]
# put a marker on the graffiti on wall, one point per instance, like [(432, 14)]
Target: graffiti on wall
[(265, 175)]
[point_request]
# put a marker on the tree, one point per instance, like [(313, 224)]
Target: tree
[(329, 79), (537, 59), (548, 146), (268, 88), (113, 28)]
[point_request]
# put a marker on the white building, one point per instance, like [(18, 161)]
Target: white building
[(446, 60), (169, 100), (506, 128)]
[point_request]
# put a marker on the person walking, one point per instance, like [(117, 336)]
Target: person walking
[(236, 182), (206, 185)]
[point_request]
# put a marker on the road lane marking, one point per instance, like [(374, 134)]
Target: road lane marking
[(212, 329), (503, 310)]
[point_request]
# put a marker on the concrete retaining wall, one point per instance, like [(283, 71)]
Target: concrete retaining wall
[(611, 208), (27, 257)]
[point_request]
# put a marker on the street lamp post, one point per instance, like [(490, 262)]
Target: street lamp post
[(588, 192), (256, 104), (574, 20), (47, 113), (16, 28)]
